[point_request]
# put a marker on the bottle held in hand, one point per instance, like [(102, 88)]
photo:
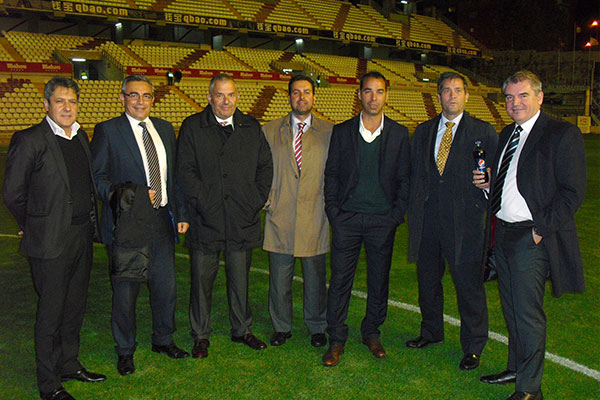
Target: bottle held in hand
[(479, 157)]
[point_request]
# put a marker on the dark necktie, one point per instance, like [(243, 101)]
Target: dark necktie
[(504, 164), (298, 145), (227, 128), (153, 165)]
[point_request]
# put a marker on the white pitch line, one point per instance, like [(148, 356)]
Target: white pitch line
[(565, 362)]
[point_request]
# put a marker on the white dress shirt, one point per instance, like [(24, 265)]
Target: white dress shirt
[(58, 131), (442, 129), (296, 121), (514, 207), (160, 152), (366, 134), (228, 121)]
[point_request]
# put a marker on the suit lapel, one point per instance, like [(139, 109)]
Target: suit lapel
[(56, 152), (354, 138), (429, 147), (537, 132), (287, 137), (127, 135)]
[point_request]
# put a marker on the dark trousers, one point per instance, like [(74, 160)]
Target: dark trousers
[(163, 293), (281, 274), (435, 249), (350, 231), (204, 268), (62, 286), (522, 272)]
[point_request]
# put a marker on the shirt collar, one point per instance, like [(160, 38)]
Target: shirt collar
[(228, 121), (136, 123), (528, 125), (296, 121), (58, 131), (456, 119), (364, 130)]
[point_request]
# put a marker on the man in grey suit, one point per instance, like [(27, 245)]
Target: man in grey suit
[(446, 219), (296, 225), (538, 179), (49, 189), (137, 148)]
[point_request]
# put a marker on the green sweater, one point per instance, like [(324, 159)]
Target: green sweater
[(368, 197)]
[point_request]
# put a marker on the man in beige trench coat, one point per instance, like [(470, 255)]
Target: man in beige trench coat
[(296, 225)]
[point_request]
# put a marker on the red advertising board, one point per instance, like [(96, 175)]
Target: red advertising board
[(37, 68)]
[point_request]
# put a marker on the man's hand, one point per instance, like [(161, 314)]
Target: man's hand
[(151, 194), (182, 227), (479, 179), (536, 238)]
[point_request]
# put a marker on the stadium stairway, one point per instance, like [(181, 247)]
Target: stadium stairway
[(264, 12), (11, 50), (340, 20), (190, 59), (429, 106), (490, 105), (264, 99), (186, 98), (137, 58)]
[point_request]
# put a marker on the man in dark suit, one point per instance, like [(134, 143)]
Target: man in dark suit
[(225, 169), (446, 219), (366, 196), (139, 149), (49, 189), (537, 184)]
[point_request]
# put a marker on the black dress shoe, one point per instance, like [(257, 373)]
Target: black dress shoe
[(125, 364), (502, 378), (58, 394), (250, 340), (318, 340), (526, 396), (83, 375), (171, 350), (469, 361), (200, 349), (279, 338), (420, 342)]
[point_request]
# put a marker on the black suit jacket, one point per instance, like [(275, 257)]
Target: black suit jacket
[(116, 158), (551, 177), (342, 167), (37, 189), (462, 202)]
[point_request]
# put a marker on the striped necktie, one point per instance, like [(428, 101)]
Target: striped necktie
[(501, 176), (298, 145), (153, 165), (444, 150)]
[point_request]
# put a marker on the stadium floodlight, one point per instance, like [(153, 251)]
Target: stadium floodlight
[(405, 2), (118, 25), (287, 70), (76, 59), (299, 41)]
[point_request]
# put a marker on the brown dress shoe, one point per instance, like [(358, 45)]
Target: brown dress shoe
[(526, 396), (375, 347), (200, 349), (332, 356)]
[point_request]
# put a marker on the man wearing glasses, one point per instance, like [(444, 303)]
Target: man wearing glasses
[(140, 150)]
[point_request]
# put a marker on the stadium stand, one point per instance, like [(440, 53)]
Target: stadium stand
[(159, 56)]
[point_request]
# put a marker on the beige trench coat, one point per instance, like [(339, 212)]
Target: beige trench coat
[(295, 221)]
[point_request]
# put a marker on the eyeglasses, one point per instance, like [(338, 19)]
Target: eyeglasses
[(136, 96)]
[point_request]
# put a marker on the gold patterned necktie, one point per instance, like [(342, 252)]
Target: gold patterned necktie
[(444, 150)]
